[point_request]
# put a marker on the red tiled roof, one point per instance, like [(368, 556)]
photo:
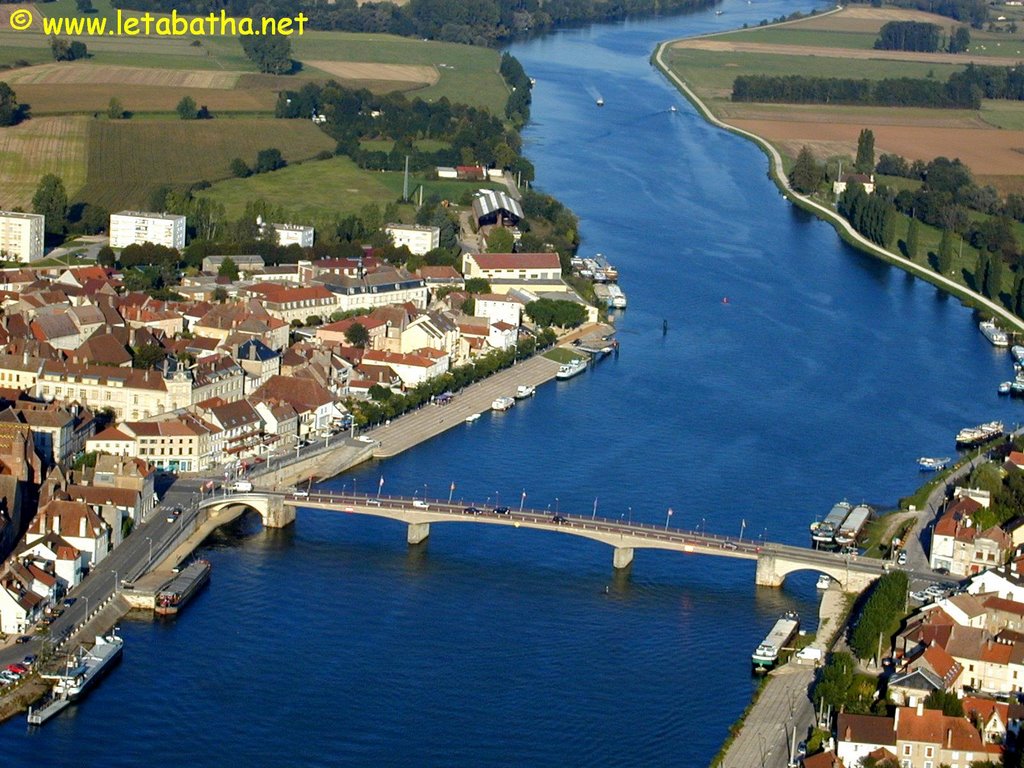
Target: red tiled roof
[(517, 260)]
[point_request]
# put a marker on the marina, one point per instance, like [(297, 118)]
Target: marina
[(182, 588), (767, 653)]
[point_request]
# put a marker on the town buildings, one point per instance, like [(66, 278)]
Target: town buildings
[(21, 236), (136, 227), (419, 239)]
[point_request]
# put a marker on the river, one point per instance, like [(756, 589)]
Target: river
[(824, 375)]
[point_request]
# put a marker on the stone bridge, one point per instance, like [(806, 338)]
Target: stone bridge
[(773, 561)]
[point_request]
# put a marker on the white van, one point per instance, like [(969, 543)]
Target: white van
[(241, 486)]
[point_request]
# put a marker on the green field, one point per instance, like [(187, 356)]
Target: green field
[(129, 159), (325, 189), (791, 35), (37, 147), (713, 72)]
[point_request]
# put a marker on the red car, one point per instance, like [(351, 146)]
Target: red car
[(18, 669)]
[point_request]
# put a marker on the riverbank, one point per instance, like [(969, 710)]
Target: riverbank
[(845, 230)]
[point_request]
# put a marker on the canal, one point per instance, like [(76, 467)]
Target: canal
[(795, 372)]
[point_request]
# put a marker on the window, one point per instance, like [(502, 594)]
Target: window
[(906, 750), (929, 751)]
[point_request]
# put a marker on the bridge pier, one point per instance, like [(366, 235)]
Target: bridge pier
[(622, 557), (277, 514), (417, 532), (766, 575)]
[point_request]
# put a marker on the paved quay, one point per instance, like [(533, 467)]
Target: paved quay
[(431, 420), (766, 736)]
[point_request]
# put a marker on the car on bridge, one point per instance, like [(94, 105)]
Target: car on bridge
[(420, 504), (501, 510), (473, 511), (558, 519)]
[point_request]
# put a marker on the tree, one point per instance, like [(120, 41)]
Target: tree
[(105, 256), (270, 53), (478, 285), (148, 356), (945, 255), (67, 50), (880, 618), (186, 108), (51, 200), (994, 277), (114, 109), (228, 269), (269, 160), (239, 168), (947, 701), (865, 162), (85, 6), (220, 294), (807, 175), (357, 335), (960, 40), (10, 112), (500, 241), (912, 237)]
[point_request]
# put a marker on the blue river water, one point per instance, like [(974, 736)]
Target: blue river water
[(824, 375)]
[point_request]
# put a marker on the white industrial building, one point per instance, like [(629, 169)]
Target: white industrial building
[(135, 227), (21, 236), (417, 238), (294, 234)]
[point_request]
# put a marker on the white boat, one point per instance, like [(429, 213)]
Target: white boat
[(993, 333), (932, 464), (472, 417), (600, 101), (574, 368), (617, 297), (1018, 352), (502, 404), (1005, 388), (767, 652), (824, 581), (672, 108), (81, 671), (970, 436), (524, 391)]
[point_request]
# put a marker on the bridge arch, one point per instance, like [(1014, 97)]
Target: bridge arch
[(270, 508), (774, 567)]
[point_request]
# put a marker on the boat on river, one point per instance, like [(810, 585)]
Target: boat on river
[(1005, 388), (502, 403), (472, 417), (1018, 353), (81, 670), (971, 436), (823, 534), (824, 581), (853, 525), (572, 368), (524, 391), (182, 587), (600, 101), (767, 653), (994, 333), (932, 464)]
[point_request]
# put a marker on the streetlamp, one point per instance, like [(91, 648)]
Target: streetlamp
[(522, 500), (150, 560), (630, 515), (86, 598), (702, 526), (115, 582), (668, 516)]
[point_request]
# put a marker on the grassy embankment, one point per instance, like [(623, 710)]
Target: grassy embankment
[(840, 45), (118, 163)]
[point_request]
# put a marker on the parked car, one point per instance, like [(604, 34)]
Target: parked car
[(901, 558), (29, 660), (23, 639), (18, 669), (68, 602)]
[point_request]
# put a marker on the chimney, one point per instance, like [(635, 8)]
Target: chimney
[(56, 523), (131, 337), (949, 738), (24, 357), (252, 350), (896, 719), (920, 708), (81, 526)]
